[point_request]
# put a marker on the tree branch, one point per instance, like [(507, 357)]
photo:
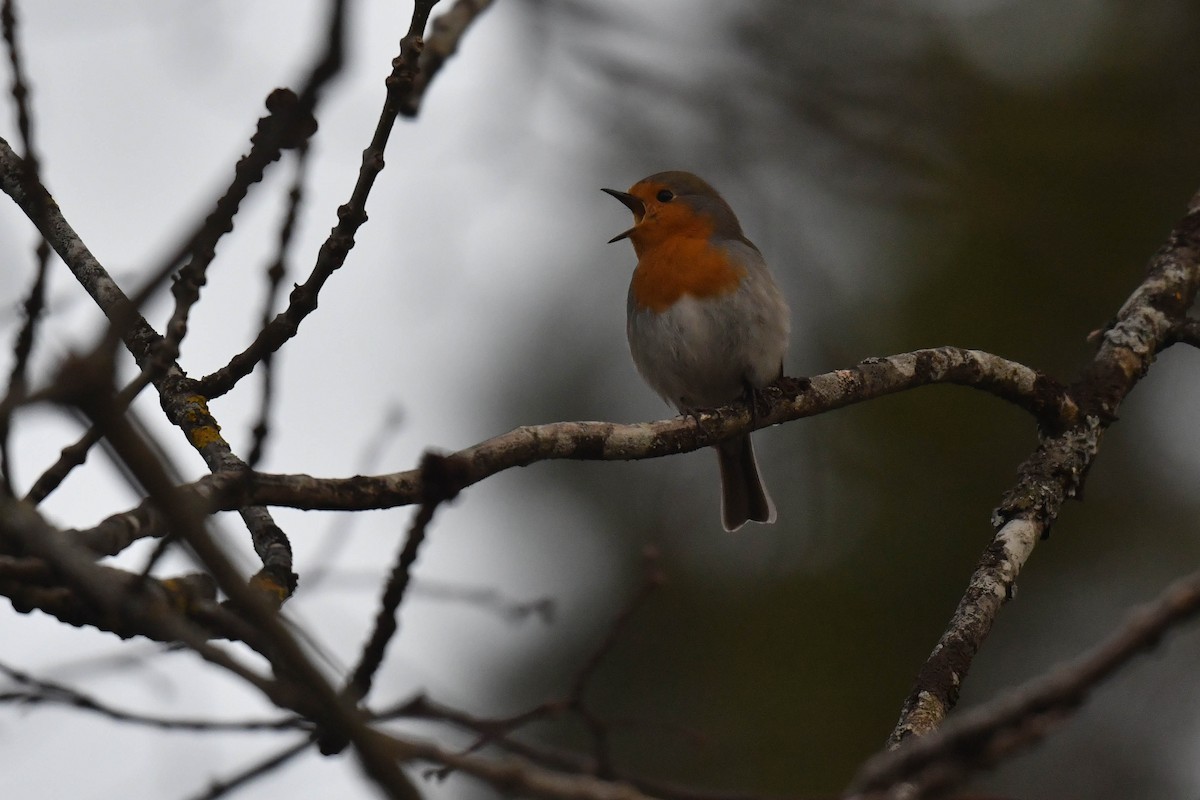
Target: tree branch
[(790, 399), (184, 408), (1057, 469), (299, 685), (935, 763)]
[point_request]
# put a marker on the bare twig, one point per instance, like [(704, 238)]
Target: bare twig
[(183, 406), (20, 84), (286, 124), (575, 702), (75, 454), (289, 124), (15, 393), (36, 299), (446, 32), (542, 608), (652, 581), (19, 183), (35, 583), (351, 216), (386, 623), (40, 691), (276, 272), (263, 767), (421, 707)]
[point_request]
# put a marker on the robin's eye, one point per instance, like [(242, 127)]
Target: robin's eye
[(665, 196)]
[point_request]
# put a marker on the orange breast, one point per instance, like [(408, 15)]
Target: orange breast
[(677, 266)]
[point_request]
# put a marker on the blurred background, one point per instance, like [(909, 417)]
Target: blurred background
[(983, 173)]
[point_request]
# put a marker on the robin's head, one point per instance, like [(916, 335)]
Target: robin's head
[(674, 204)]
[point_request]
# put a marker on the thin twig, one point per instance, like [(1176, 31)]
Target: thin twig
[(40, 691), (263, 767), (386, 622), (75, 454), (275, 132), (351, 216), (276, 272), (18, 382), (289, 124), (575, 701), (20, 85), (542, 608), (114, 598), (35, 301), (445, 34)]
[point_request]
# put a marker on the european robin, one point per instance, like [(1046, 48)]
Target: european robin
[(706, 323)]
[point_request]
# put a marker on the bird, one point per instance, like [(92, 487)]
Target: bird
[(706, 322)]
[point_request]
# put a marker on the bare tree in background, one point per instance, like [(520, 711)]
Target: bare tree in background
[(63, 573)]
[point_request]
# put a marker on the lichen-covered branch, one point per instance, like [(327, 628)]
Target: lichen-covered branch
[(1148, 320), (789, 399), (183, 406), (983, 735)]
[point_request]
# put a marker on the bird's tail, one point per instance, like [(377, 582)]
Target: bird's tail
[(743, 496)]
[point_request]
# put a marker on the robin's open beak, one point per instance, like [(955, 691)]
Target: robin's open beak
[(631, 202)]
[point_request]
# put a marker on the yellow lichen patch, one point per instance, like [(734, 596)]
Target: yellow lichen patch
[(204, 435), (270, 588), (199, 401), (177, 594), (204, 430)]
